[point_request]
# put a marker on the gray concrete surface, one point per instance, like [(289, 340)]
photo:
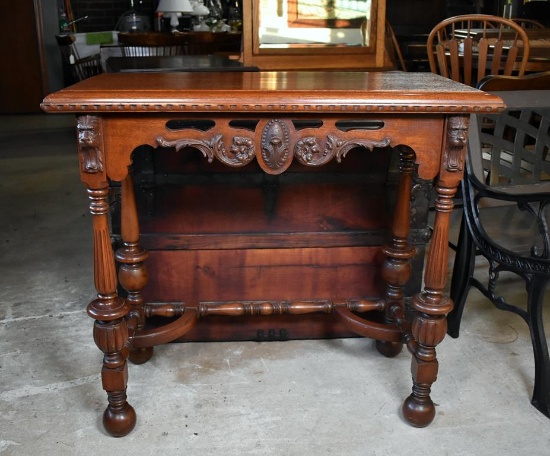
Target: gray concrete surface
[(330, 397)]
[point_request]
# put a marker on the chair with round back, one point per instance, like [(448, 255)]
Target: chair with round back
[(469, 47)]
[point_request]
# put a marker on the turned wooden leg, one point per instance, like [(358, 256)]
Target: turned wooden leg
[(111, 337), (430, 323), (432, 305), (110, 329), (132, 274), (396, 269)]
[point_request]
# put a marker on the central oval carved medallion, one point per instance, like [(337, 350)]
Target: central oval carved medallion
[(276, 154)]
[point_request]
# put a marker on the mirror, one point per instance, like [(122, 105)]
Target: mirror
[(314, 35), (314, 23)]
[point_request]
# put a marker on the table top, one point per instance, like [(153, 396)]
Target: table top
[(282, 91), (539, 44), (174, 63), (535, 33)]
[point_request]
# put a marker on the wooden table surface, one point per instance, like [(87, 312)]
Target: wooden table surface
[(271, 91), (539, 45)]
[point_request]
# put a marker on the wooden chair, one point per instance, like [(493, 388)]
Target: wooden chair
[(469, 47), (393, 49), (509, 164), (81, 68)]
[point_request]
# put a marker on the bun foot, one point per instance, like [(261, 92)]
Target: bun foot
[(389, 349), (119, 422), (140, 355), (418, 412)]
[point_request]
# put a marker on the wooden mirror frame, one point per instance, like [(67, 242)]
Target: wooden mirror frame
[(314, 57)]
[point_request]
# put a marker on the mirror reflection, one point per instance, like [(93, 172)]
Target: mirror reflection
[(289, 23)]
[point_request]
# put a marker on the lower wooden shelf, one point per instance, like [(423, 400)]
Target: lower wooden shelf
[(216, 234)]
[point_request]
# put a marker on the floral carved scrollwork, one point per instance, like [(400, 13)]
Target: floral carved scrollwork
[(276, 149), (457, 138), (205, 147), (309, 153), (89, 144), (240, 153), (341, 147)]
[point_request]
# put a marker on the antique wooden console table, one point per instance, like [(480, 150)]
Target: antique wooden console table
[(273, 121)]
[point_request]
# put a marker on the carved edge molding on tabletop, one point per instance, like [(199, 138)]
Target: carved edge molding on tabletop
[(275, 155), (89, 141), (330, 107)]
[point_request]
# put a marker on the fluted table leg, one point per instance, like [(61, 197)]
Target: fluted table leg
[(432, 306), (109, 312)]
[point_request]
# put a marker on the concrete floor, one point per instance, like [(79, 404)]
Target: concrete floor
[(329, 397)]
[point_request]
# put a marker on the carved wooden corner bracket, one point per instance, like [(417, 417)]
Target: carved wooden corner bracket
[(276, 150), (457, 140), (90, 140)]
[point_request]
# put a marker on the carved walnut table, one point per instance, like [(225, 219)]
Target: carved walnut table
[(274, 120)]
